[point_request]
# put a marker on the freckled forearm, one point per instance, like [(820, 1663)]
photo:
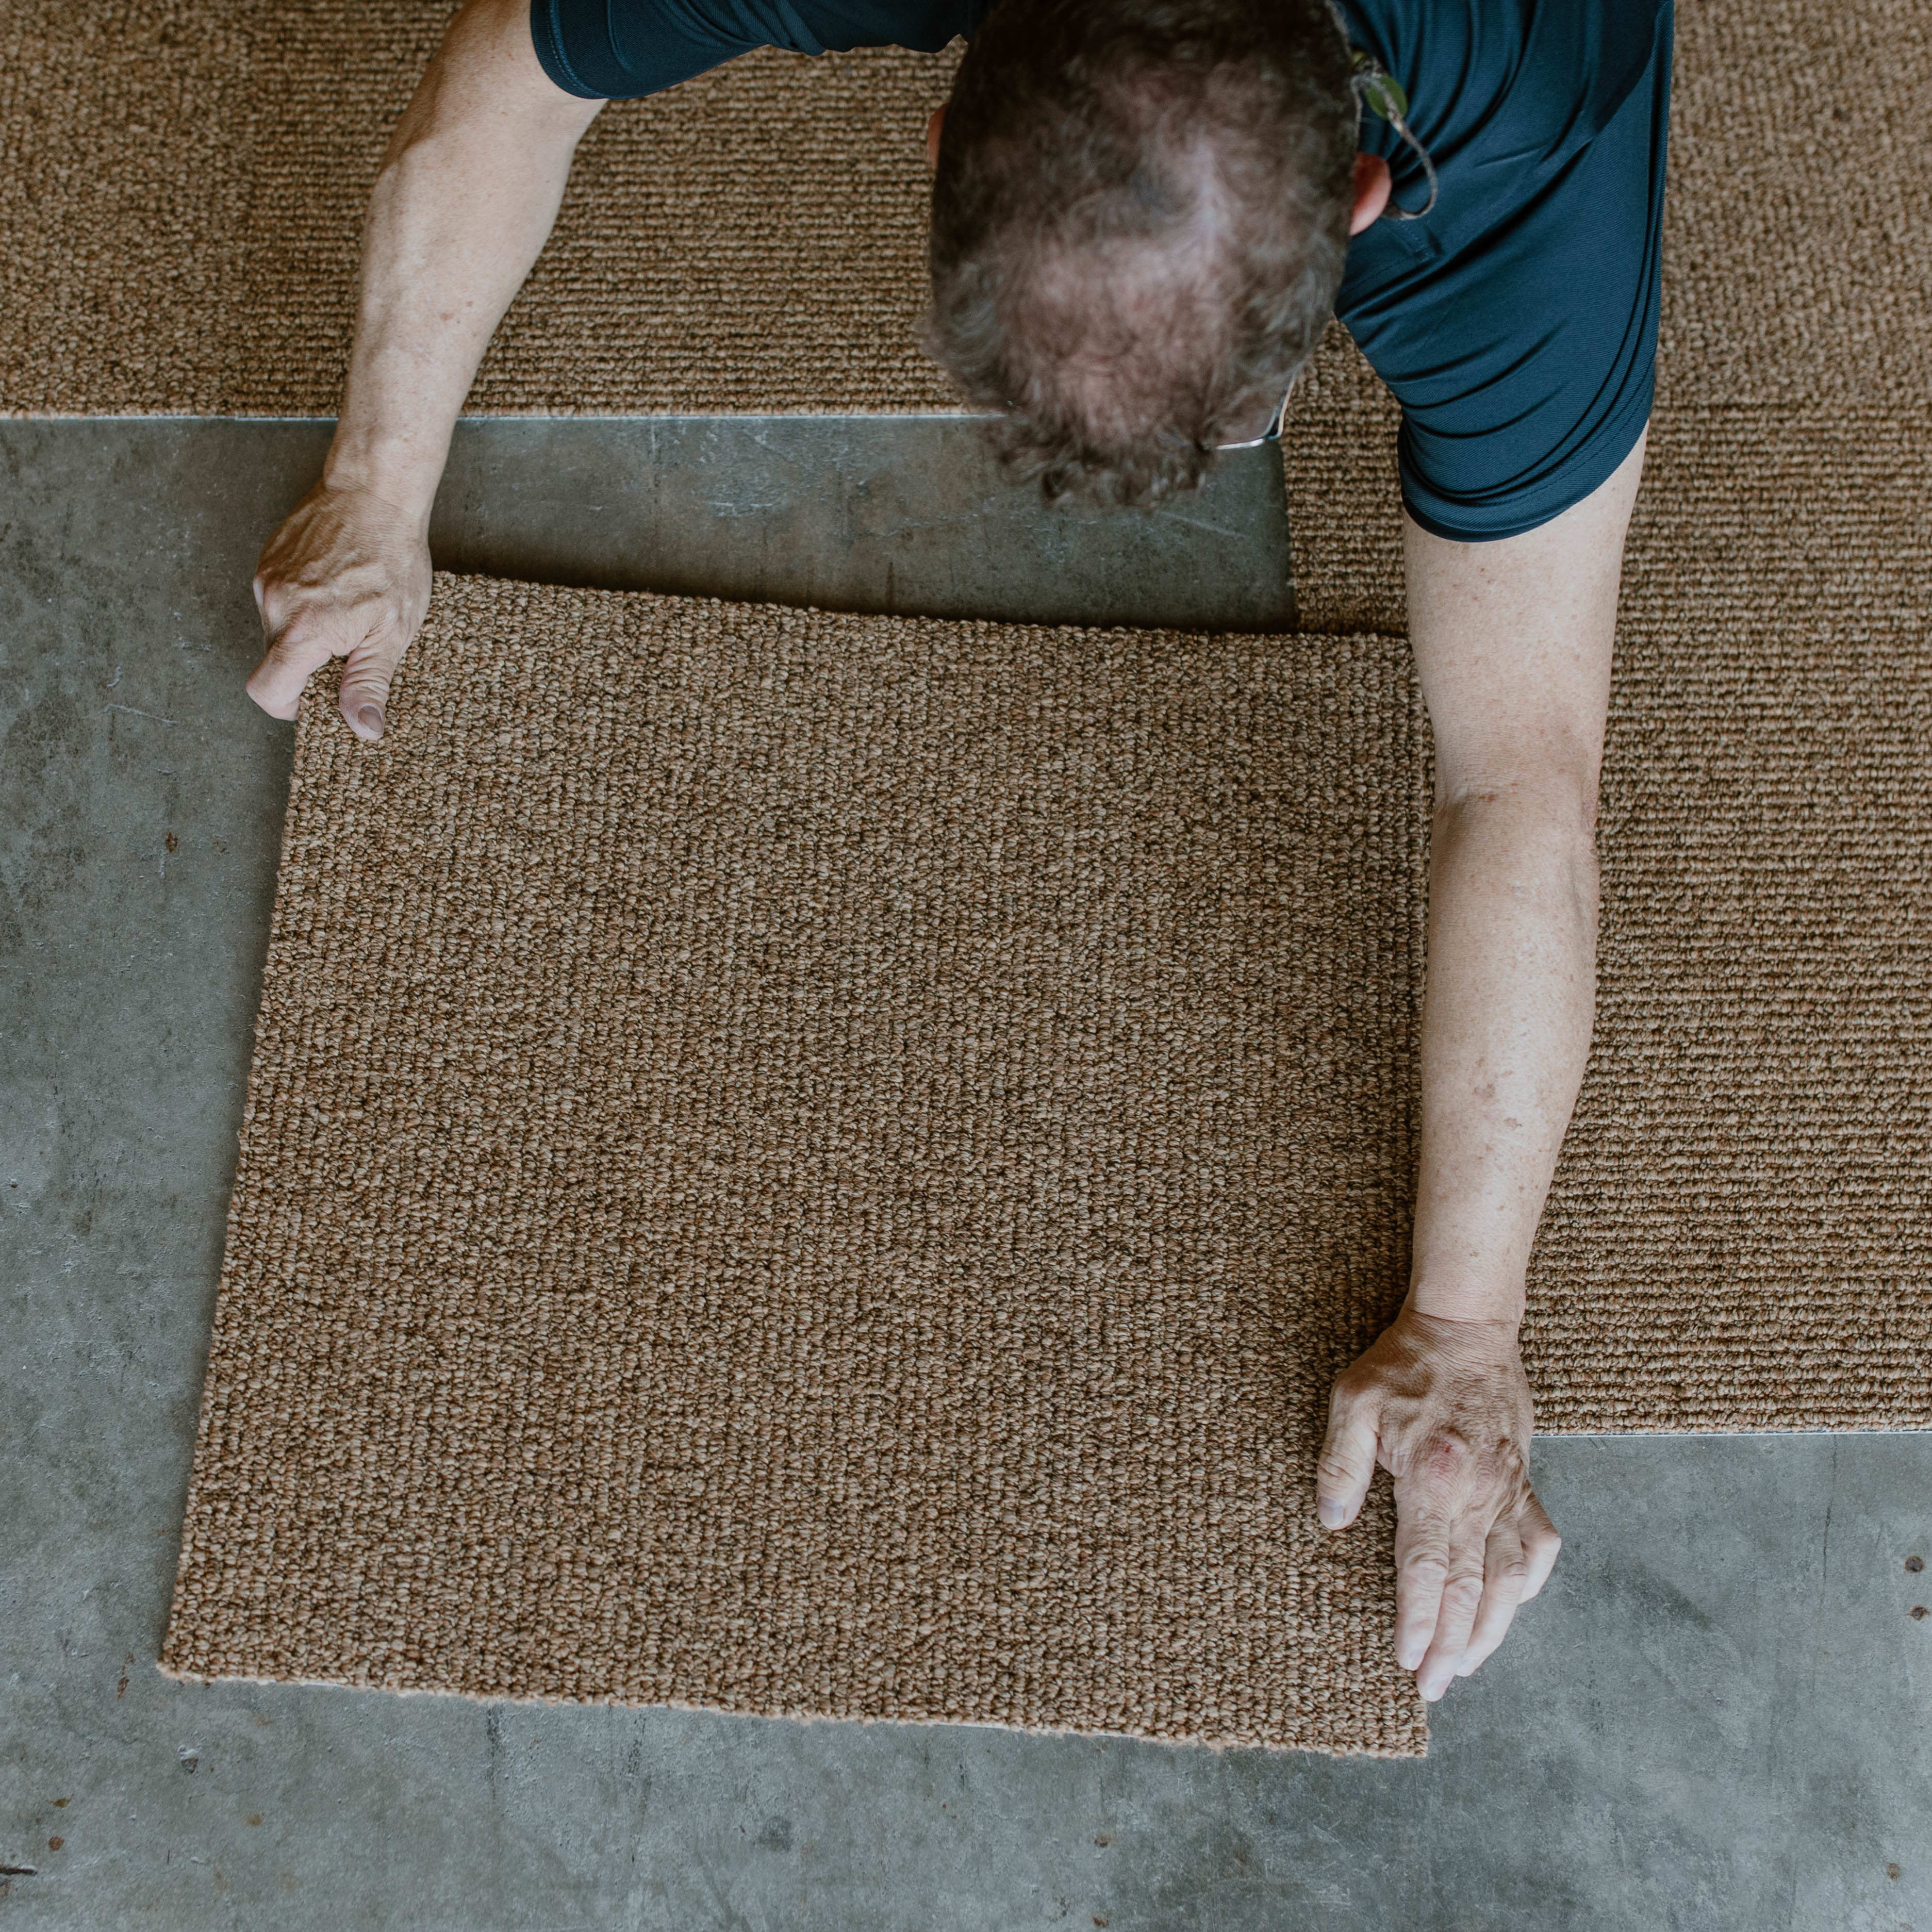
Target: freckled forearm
[(1506, 1032)]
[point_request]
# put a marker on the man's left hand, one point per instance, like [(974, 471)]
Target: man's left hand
[(1444, 1406)]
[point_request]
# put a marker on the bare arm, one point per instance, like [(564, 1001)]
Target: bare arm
[(469, 190), (1513, 642)]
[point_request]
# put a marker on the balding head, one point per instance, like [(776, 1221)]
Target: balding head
[(1140, 215)]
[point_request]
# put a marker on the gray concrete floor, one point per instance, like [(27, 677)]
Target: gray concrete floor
[(1716, 1717)]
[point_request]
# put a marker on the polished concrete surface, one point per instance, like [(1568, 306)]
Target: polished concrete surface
[(1716, 1717), (870, 514)]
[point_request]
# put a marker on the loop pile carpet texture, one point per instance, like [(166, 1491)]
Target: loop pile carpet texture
[(824, 1165), (184, 187), (183, 195), (1745, 1181)]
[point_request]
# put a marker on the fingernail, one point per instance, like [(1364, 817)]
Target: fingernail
[(370, 719), (1332, 1513)]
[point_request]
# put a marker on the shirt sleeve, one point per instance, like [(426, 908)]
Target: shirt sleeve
[(1517, 324), (1555, 347), (617, 49)]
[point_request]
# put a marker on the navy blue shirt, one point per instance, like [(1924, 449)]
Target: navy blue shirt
[(1516, 324), (617, 50)]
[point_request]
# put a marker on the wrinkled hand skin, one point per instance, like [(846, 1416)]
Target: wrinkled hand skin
[(347, 576), (1443, 1406)]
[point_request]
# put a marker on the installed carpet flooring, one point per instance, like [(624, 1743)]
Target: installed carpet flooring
[(184, 185), (824, 1164), (1745, 1182), (183, 193), (1740, 1235)]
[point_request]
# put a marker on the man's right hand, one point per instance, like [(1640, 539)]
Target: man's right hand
[(467, 193), (347, 576)]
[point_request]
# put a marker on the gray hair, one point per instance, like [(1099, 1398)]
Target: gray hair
[(1139, 222)]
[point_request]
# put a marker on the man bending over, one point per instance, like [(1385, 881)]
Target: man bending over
[(1144, 212)]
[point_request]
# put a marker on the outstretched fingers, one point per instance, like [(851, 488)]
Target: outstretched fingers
[(1445, 1406), (1451, 1574), (1422, 1558), (1521, 1553), (1465, 1558)]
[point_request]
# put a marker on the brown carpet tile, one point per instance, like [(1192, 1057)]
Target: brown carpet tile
[(183, 186), (1741, 1232), (908, 1117), (824, 1164), (871, 1133), (1740, 1235)]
